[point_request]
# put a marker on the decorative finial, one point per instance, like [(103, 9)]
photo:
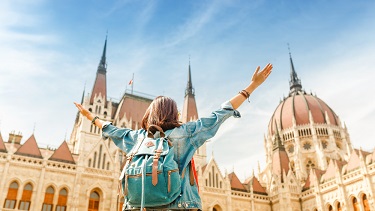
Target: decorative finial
[(34, 127)]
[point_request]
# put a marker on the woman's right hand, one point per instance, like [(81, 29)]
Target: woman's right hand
[(84, 111)]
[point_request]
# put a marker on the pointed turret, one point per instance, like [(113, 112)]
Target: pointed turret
[(280, 159), (78, 112), (100, 85), (189, 112), (295, 82)]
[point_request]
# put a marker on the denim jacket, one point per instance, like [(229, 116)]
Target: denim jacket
[(186, 140)]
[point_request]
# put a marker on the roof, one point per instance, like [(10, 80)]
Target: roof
[(100, 87), (280, 162), (63, 154), (2, 145), (298, 106), (29, 148), (235, 183), (256, 186), (318, 174), (133, 107), (189, 111)]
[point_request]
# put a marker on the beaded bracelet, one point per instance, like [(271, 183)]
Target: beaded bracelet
[(245, 94), (93, 120)]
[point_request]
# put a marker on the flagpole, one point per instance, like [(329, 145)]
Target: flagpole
[(132, 82)]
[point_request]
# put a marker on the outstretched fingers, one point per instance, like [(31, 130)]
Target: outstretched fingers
[(267, 70)]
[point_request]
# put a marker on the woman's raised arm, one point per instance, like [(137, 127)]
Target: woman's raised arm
[(258, 78)]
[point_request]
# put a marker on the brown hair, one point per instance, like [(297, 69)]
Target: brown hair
[(161, 112)]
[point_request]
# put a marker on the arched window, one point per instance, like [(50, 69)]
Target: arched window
[(89, 162), (48, 199), (11, 200), (355, 204), (62, 200), (103, 165), (217, 208), (366, 205), (93, 164), (330, 208), (94, 201), (100, 156), (339, 206), (107, 165), (26, 197)]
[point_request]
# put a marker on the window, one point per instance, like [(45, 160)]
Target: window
[(291, 149), (366, 206), (330, 208), (339, 207), (94, 201), (62, 200), (324, 144), (309, 165), (104, 157), (11, 199), (26, 197), (93, 165), (307, 145), (355, 204), (48, 199), (100, 156)]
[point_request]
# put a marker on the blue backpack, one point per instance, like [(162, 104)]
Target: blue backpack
[(150, 177)]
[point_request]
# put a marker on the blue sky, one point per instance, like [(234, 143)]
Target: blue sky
[(50, 50)]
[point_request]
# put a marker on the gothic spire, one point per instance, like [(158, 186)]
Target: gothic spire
[(102, 67), (189, 88), (189, 111), (100, 85), (295, 82)]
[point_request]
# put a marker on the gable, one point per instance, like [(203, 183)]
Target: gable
[(29, 148), (212, 175), (353, 162), (63, 154), (235, 183), (100, 157)]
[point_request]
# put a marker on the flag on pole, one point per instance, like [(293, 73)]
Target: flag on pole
[(131, 82)]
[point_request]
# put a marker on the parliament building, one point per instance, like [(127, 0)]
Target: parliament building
[(311, 164)]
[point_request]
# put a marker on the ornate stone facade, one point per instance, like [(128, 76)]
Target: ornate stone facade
[(311, 164)]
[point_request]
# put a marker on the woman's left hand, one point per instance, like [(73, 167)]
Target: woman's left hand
[(260, 76)]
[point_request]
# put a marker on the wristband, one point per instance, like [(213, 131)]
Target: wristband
[(93, 120)]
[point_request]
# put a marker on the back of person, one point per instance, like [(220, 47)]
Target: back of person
[(185, 138)]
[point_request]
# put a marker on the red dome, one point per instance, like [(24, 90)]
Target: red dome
[(297, 106)]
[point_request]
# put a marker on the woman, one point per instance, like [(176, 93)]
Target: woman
[(186, 138)]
